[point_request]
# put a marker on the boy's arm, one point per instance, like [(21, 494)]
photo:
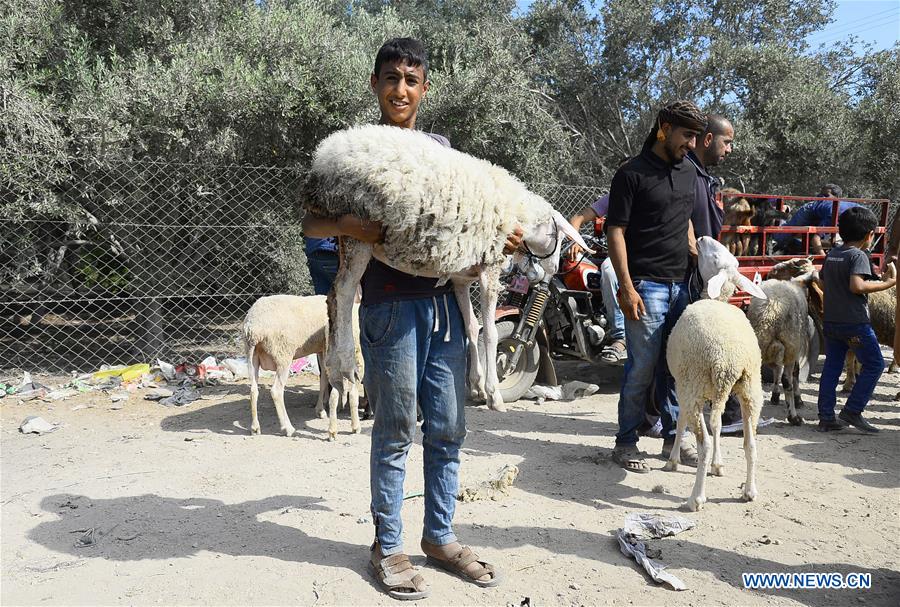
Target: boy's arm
[(363, 230), (861, 286)]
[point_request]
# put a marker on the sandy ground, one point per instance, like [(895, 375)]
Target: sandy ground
[(188, 509)]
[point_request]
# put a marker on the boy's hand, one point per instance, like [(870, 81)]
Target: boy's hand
[(514, 240)]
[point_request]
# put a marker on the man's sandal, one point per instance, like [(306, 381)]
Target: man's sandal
[(396, 576), (458, 564), (631, 459)]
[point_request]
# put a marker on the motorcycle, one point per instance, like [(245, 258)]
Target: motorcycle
[(543, 318)]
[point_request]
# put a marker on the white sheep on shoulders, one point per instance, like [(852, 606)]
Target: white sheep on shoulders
[(445, 215), (713, 352)]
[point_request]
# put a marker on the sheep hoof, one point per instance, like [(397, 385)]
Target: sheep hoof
[(321, 413), (356, 429), (749, 494), (795, 420), (332, 436), (478, 395), (495, 402), (717, 470), (254, 430), (775, 400), (671, 466), (695, 504), (289, 431)]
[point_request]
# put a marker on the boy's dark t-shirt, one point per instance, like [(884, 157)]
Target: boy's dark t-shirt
[(842, 304), (654, 201), (381, 283)]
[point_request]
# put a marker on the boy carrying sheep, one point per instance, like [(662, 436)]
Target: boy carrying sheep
[(846, 320), (413, 343)]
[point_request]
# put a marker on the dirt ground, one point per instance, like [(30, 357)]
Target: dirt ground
[(187, 508)]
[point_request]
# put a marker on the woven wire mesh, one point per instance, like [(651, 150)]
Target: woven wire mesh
[(162, 260)]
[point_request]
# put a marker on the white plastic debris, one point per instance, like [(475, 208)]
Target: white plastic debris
[(237, 366), (568, 391), (166, 369), (36, 425), (642, 526)]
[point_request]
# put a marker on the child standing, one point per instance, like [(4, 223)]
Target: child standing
[(846, 321)]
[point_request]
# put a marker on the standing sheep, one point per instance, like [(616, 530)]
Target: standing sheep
[(782, 327), (445, 215), (713, 352), (277, 330)]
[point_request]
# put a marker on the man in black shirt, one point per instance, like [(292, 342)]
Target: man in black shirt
[(650, 242)]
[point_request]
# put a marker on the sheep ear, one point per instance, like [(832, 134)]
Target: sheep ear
[(566, 228), (750, 287), (714, 285)]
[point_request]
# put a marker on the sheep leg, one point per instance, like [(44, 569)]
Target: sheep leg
[(749, 394), (777, 374), (715, 427), (253, 375), (798, 394), (476, 373), (277, 391), (340, 351), (323, 387), (892, 368), (490, 286), (698, 495), (793, 418), (675, 455)]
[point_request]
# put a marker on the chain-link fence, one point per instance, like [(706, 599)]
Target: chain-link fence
[(162, 260)]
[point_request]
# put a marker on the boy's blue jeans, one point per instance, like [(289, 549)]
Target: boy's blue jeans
[(647, 339), (840, 337), (408, 362), (323, 267)]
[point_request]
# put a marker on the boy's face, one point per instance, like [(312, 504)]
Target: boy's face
[(399, 89)]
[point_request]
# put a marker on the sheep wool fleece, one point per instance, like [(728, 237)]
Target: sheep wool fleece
[(443, 211)]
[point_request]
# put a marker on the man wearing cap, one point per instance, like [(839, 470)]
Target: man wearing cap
[(650, 242)]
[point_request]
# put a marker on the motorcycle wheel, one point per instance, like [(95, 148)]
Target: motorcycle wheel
[(514, 385)]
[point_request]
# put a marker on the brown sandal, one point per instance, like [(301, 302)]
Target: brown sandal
[(457, 566), (392, 574)]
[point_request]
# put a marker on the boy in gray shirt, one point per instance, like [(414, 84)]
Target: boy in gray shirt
[(846, 321)]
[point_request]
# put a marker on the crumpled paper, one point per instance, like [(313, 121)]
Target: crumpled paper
[(641, 526)]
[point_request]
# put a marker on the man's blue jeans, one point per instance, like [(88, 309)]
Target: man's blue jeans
[(413, 357), (840, 337), (609, 285), (647, 339)]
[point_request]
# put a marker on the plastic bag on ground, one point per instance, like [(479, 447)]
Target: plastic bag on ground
[(237, 366), (36, 425), (566, 392), (640, 526)]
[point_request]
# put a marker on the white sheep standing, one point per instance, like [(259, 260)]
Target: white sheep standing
[(713, 352), (445, 214), (781, 323), (279, 329)]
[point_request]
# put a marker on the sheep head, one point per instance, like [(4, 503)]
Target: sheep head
[(719, 270), (545, 238), (792, 268)]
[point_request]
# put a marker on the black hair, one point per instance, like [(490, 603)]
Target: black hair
[(716, 124), (681, 113), (835, 189), (855, 223), (408, 50)]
